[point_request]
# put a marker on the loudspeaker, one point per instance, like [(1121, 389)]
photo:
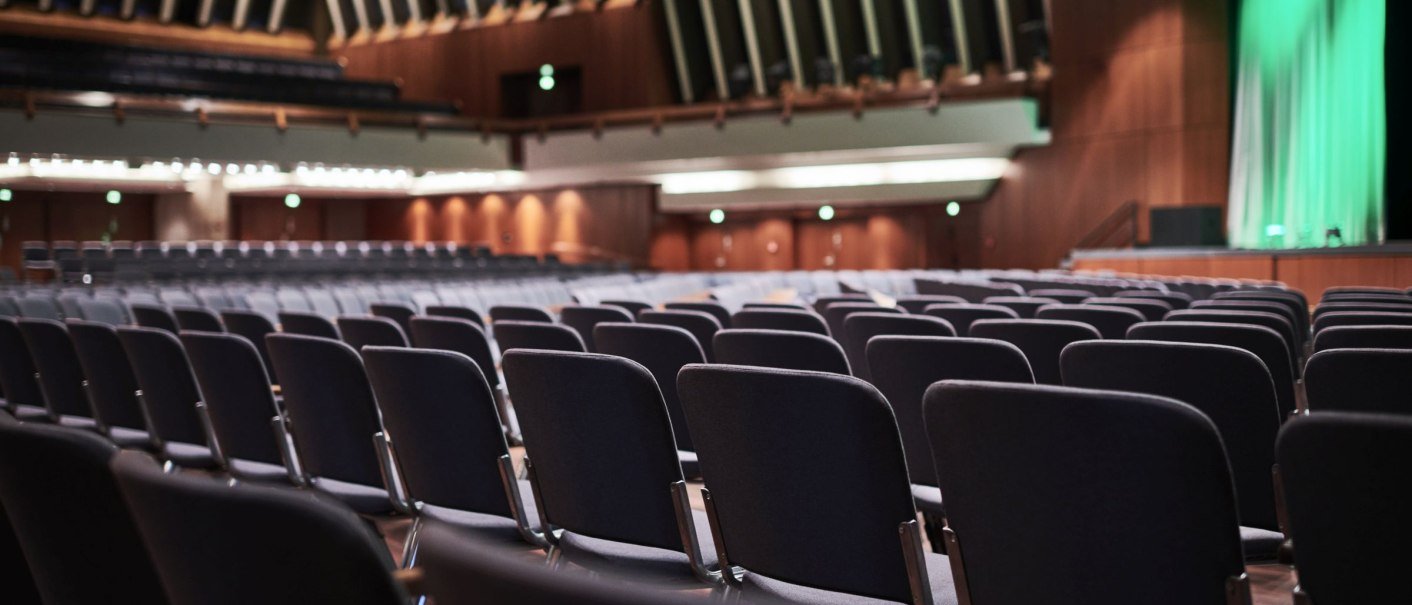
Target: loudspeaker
[(1187, 226)]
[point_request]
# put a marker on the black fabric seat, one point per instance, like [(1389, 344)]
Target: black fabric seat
[(23, 397), (333, 419), (467, 338), (1300, 327), (199, 319), (308, 324), (822, 303), (195, 528), (1036, 474), (963, 315), (917, 303), (903, 368), (511, 334), (39, 307), (1041, 340), (1024, 306), (714, 309), (808, 487), (58, 372), (788, 306), (1337, 306), (1176, 300), (604, 466), (779, 319), (449, 445), (1361, 318), (836, 313), (702, 326), (860, 328), (663, 350), (1151, 309), (499, 313), (1345, 476), (253, 327), (633, 307), (76, 533), (1272, 321), (109, 383), (154, 316), (1111, 322), (1067, 296), (1360, 380), (170, 396), (461, 571), (240, 404), (781, 349), (582, 319), (1292, 300), (1265, 343), (1229, 385), (401, 313), (104, 310), (371, 331), (973, 292), (465, 313), (1363, 337)]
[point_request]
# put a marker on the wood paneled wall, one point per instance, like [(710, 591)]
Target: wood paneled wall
[(1312, 272), (859, 238), (66, 215), (622, 54), (1140, 110), (267, 218)]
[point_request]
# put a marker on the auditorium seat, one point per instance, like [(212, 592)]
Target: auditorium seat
[(70, 519), (1265, 343), (110, 384), (775, 305), (917, 303), (1269, 320), (333, 419), (19, 382), (1345, 477), (1359, 307), (1053, 497), (860, 328), (39, 307), (372, 330), (633, 307), (1363, 337), (1151, 309), (1300, 328), (535, 335), (961, 316), (604, 463), (308, 324), (1229, 385), (702, 326), (467, 338), (663, 350), (1024, 306), (58, 372), (973, 292), (1041, 340), (449, 446), (1176, 300), (170, 396), (781, 349), (199, 319), (1291, 299), (104, 310), (822, 303), (905, 366), (1361, 318), (1064, 296), (836, 313), (465, 313), (807, 517), (154, 316), (217, 544), (1111, 322), (240, 406), (500, 313), (582, 318), (253, 327), (779, 319), (398, 312), (1360, 380)]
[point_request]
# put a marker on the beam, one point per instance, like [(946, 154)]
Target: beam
[(679, 53), (713, 43)]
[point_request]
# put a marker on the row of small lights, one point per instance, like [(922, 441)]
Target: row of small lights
[(182, 168), (826, 212)]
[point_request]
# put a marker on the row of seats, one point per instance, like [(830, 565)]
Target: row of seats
[(1028, 472)]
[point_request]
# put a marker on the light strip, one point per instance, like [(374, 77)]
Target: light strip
[(838, 175)]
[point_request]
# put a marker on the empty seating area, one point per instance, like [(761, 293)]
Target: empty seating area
[(74, 66), (918, 436)]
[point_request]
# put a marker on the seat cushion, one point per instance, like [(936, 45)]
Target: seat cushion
[(495, 527), (130, 438), (938, 573), (364, 499), (250, 470), (188, 455), (653, 564), (1260, 544), (690, 466), (928, 499)]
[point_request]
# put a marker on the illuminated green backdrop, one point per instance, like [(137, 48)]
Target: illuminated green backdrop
[(1310, 139)]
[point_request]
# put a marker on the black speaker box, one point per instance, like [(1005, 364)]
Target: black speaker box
[(1186, 226)]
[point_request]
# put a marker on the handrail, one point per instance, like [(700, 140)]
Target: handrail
[(1124, 215), (207, 111)]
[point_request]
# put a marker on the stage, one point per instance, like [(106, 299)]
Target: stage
[(1308, 269)]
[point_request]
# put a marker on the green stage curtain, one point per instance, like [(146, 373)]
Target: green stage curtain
[(1310, 139)]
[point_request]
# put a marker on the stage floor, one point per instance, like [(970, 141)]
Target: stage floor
[(1308, 269)]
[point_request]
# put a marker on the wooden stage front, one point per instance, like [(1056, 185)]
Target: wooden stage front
[(1308, 269)]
